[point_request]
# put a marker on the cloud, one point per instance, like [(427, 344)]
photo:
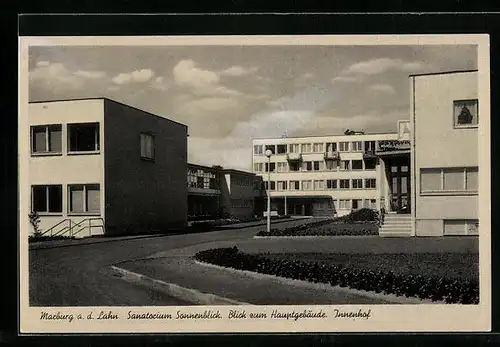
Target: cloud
[(90, 74), (345, 79), (200, 81), (238, 71), (187, 74), (55, 76), (137, 76), (207, 106), (229, 152), (381, 65), (384, 88), (159, 83)]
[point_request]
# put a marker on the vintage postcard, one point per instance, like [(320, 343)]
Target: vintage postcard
[(254, 184)]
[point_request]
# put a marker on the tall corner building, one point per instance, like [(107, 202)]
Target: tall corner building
[(424, 177)]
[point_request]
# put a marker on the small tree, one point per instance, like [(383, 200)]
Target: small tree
[(35, 221)]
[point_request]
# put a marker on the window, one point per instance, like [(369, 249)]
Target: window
[(307, 166), (83, 137), (257, 150), (273, 185), (357, 146), (471, 179), (272, 148), (294, 166), (357, 204), (282, 185), (294, 185), (84, 198), (370, 164), (318, 148), (306, 185), (465, 113), (281, 149), (331, 147), (357, 165), (344, 147), (344, 165), (258, 167), (344, 204), (449, 180), (461, 227), (344, 184), (46, 139), (147, 146), (370, 183), (319, 185), (318, 165), (370, 203), (331, 184), (273, 167), (369, 146), (46, 198), (306, 148), (357, 183), (294, 148), (282, 167), (331, 165)]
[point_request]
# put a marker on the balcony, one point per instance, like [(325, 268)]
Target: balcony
[(332, 155), (369, 154), (294, 157)]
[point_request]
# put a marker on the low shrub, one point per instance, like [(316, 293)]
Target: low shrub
[(362, 215), (451, 291), (40, 238), (329, 227)]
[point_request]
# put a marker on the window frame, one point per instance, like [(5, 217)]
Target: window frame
[(344, 143), (441, 190), (355, 146), (465, 126), (369, 185), (47, 140), (153, 145), (357, 180), (358, 161), (97, 139), (47, 200), (344, 180), (333, 184), (85, 207), (257, 152)]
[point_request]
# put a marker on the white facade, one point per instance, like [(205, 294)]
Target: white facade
[(97, 167), (342, 170), (445, 153), (57, 166)]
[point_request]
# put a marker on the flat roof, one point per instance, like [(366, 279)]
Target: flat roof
[(221, 168), (315, 136), (110, 100), (238, 171), (442, 73)]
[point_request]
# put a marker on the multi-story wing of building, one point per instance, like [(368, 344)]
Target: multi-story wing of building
[(423, 177)]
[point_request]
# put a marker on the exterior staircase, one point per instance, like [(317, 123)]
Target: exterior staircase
[(396, 225)]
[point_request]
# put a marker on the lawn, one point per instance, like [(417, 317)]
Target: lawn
[(440, 265)]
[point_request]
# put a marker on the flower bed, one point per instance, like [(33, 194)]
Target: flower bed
[(452, 291), (331, 229)]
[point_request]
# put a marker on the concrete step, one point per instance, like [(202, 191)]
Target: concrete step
[(397, 222), (387, 217)]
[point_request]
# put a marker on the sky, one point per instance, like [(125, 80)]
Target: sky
[(229, 95)]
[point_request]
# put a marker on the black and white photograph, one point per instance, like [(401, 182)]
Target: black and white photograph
[(242, 184)]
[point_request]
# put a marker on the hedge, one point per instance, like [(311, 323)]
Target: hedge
[(37, 238), (345, 225), (451, 291)]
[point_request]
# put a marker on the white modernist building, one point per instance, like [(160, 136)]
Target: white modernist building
[(422, 177), (97, 166)]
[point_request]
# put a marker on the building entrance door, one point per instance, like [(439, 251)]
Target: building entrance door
[(400, 186)]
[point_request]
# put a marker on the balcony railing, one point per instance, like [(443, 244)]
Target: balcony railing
[(294, 156), (332, 155), (369, 154)]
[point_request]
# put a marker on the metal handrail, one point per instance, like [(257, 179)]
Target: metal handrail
[(90, 226), (71, 226), (54, 226)]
